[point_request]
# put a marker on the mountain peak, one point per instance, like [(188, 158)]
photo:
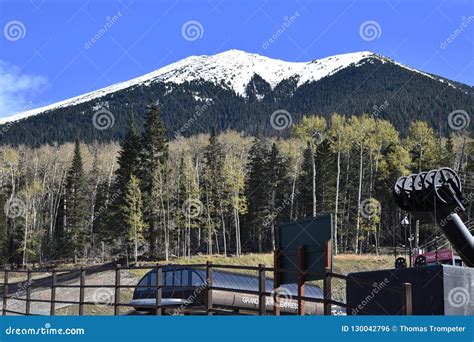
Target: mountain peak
[(236, 68), (232, 68)]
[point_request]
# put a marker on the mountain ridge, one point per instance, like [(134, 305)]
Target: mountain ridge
[(228, 65), (193, 99)]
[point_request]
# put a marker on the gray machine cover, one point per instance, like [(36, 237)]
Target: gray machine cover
[(436, 290)]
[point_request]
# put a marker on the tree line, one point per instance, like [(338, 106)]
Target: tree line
[(219, 193)]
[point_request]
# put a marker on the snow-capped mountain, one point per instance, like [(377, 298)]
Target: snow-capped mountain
[(233, 69), (235, 85)]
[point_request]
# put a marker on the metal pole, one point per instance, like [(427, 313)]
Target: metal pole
[(406, 241), (411, 248), (417, 234), (262, 305), (407, 299)]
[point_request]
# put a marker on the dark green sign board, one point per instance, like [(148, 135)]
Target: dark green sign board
[(312, 233)]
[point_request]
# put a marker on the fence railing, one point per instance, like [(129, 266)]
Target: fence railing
[(209, 308)]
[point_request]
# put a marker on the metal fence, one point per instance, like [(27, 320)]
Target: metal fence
[(209, 308)]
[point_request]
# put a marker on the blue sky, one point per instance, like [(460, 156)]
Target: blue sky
[(46, 52)]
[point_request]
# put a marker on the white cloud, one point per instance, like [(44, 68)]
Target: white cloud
[(17, 89)]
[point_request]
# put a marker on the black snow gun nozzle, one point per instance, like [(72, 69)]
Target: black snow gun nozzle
[(438, 192)]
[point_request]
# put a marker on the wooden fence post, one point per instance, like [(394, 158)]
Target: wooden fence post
[(407, 299), (327, 292), (82, 282), (117, 291), (262, 297), (159, 288), (28, 292), (209, 287), (5, 292), (53, 293)]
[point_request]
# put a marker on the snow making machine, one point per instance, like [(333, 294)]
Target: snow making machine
[(436, 289)]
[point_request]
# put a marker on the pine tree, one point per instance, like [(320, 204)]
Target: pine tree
[(326, 176), (101, 227), (278, 188), (59, 234), (128, 157), (448, 158), (127, 166), (132, 211), (76, 204), (213, 190), (153, 156), (257, 191), (154, 147)]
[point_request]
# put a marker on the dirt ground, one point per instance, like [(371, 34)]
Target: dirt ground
[(103, 297)]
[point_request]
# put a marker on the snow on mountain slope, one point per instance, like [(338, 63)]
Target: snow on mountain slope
[(233, 67), (237, 68)]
